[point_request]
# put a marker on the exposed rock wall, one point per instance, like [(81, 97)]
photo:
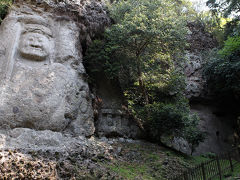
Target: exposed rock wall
[(111, 118), (90, 15), (196, 87), (219, 129), (200, 42), (218, 126), (42, 77)]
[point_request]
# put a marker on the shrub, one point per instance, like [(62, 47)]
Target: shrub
[(4, 5), (231, 46), (192, 133), (222, 74), (162, 118)]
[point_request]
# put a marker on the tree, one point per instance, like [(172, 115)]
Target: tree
[(164, 119), (227, 7), (140, 50), (148, 33), (222, 70), (222, 73)]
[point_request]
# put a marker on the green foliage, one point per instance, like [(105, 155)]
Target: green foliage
[(139, 51), (143, 40), (192, 133), (222, 70), (213, 23), (139, 48), (225, 6), (227, 12), (4, 5), (163, 119), (171, 119), (222, 75), (231, 47), (232, 28)]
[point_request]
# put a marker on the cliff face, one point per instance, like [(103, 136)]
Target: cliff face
[(215, 123), (42, 84), (45, 99), (200, 43), (90, 15), (43, 81), (111, 118), (47, 107)]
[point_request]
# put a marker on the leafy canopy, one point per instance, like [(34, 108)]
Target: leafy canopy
[(140, 51), (231, 46), (222, 70), (227, 7), (142, 42)]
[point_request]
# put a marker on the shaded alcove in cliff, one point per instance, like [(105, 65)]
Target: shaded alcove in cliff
[(216, 120), (218, 125), (111, 116)]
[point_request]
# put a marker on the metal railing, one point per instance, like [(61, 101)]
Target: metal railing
[(214, 168)]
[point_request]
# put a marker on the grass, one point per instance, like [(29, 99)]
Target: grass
[(131, 171), (196, 160), (149, 161), (231, 175), (236, 172), (146, 165), (153, 162)]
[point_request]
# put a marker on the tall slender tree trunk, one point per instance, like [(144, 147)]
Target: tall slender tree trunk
[(141, 82)]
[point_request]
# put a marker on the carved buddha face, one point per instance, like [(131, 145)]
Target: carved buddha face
[(34, 46)]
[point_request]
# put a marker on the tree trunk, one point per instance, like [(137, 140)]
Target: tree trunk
[(141, 82)]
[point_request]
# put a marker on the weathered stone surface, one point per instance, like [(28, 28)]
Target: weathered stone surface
[(218, 128), (91, 15), (114, 122), (110, 117), (200, 41), (177, 143), (41, 72), (199, 38), (195, 80), (48, 141)]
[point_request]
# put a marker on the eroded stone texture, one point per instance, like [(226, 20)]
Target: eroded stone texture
[(41, 72), (114, 122), (111, 119), (218, 128), (201, 42), (194, 72)]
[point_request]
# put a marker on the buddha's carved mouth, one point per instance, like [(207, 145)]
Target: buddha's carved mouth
[(34, 52)]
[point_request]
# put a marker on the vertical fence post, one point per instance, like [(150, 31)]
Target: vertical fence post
[(219, 168), (230, 161), (203, 171), (185, 175), (238, 153)]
